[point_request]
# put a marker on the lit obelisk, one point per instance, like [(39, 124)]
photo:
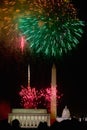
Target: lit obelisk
[(28, 75), (53, 110)]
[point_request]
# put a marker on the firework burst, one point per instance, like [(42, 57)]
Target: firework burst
[(10, 11), (52, 27), (34, 98)]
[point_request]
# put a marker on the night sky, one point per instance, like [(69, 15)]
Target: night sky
[(71, 72)]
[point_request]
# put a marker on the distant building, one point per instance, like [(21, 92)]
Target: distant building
[(65, 115), (29, 118)]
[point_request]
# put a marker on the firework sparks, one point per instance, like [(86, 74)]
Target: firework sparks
[(10, 11), (33, 98), (52, 27)]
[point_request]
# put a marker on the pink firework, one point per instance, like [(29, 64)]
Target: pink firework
[(33, 98), (22, 42), (28, 97)]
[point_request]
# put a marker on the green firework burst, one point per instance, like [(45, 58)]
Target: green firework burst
[(53, 32)]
